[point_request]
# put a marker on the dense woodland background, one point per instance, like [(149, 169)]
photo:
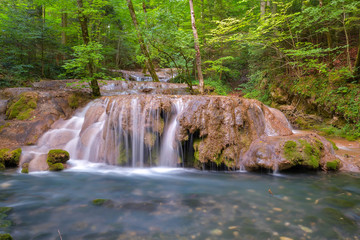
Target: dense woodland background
[(305, 50)]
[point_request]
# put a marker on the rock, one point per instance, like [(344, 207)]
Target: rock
[(9, 159), (5, 236), (30, 113), (25, 168), (56, 159), (56, 167), (57, 156)]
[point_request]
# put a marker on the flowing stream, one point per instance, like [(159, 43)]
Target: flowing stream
[(165, 203)]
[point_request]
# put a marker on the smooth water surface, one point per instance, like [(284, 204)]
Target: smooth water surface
[(163, 203)]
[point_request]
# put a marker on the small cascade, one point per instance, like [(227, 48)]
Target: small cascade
[(169, 146), (168, 131)]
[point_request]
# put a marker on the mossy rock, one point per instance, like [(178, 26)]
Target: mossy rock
[(25, 168), (2, 167), (10, 158), (102, 202), (23, 107), (5, 210), (56, 167), (304, 153), (333, 165), (57, 156), (5, 236)]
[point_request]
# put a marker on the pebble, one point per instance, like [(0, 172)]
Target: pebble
[(5, 185), (275, 233), (277, 209), (309, 199), (193, 236), (287, 224), (285, 238), (268, 219), (285, 198), (232, 227), (236, 234), (251, 190), (305, 229), (216, 232)]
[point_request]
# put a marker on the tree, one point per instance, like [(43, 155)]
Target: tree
[(143, 47), (83, 20), (197, 48)]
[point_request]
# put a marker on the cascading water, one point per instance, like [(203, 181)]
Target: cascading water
[(169, 147), (156, 130)]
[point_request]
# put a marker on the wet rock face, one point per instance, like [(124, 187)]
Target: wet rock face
[(192, 131), (227, 126), (28, 113)]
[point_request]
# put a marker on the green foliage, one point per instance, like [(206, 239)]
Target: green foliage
[(220, 87), (84, 56)]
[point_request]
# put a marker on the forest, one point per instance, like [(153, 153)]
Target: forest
[(299, 52)]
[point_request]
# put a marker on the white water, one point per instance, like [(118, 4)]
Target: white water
[(169, 146)]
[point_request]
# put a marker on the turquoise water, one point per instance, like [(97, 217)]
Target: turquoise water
[(179, 204)]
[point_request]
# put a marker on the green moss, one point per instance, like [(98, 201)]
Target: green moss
[(333, 165), (25, 168), (5, 210), (22, 109), (98, 202), (5, 236), (73, 101), (10, 158), (304, 154), (56, 167), (2, 167), (333, 144), (57, 156)]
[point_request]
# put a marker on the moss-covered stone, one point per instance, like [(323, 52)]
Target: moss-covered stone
[(25, 168), (2, 167), (5, 210), (57, 156), (56, 167), (102, 202), (304, 153), (10, 158), (23, 107), (5, 236), (333, 165)]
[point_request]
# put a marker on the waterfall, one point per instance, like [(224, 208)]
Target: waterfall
[(155, 130), (169, 147), (134, 132)]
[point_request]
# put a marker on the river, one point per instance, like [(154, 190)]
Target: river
[(176, 203)]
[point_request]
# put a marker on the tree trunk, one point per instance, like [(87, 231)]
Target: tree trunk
[(143, 47), (357, 64), (64, 24), (347, 41), (85, 35), (83, 23), (262, 8), (197, 48)]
